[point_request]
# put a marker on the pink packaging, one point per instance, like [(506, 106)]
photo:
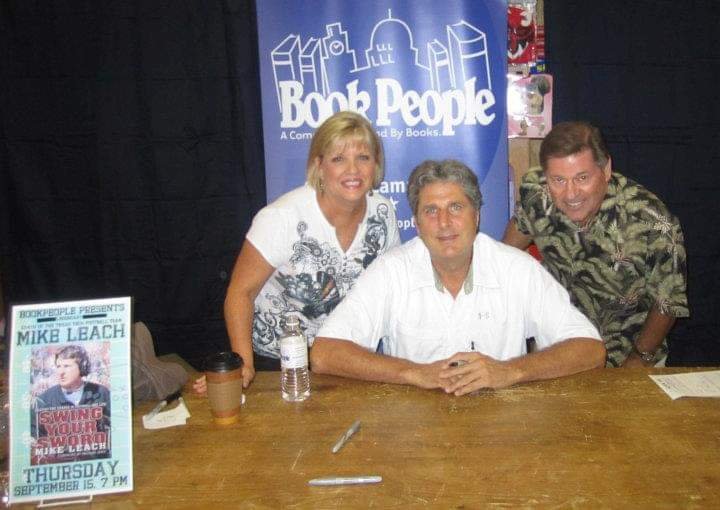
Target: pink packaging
[(529, 103)]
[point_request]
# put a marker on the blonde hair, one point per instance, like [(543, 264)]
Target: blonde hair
[(345, 127)]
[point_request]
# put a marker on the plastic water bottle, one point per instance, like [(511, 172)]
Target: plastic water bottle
[(295, 378)]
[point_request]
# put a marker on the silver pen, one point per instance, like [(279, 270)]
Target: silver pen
[(163, 403), (346, 480), (155, 410), (347, 435)]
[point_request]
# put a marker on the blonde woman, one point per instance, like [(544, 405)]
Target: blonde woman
[(305, 250)]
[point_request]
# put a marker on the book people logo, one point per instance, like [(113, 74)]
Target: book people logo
[(432, 90)]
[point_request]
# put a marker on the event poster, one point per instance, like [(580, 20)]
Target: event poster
[(70, 399), (430, 76)]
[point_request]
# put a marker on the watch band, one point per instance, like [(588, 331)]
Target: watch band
[(645, 356)]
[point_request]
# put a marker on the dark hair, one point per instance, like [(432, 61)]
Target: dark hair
[(447, 170), (77, 353), (568, 138)]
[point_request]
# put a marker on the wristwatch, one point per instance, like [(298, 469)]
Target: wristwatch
[(645, 356)]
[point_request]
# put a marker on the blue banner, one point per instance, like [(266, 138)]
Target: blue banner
[(430, 76)]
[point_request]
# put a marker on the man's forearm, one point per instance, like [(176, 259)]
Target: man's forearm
[(344, 358), (656, 327), (654, 330), (514, 237), (565, 358)]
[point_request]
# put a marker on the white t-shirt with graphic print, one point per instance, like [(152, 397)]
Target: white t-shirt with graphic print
[(312, 273)]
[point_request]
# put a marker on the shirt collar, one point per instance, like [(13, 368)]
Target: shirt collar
[(483, 272), (74, 396), (479, 274), (468, 283)]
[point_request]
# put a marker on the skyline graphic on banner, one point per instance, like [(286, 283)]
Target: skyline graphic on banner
[(429, 77), (447, 64)]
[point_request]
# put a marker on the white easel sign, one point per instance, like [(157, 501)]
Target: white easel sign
[(70, 399)]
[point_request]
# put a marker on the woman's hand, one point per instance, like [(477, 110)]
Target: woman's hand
[(200, 385), (248, 374)]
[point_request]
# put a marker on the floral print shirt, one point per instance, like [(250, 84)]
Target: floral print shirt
[(629, 257)]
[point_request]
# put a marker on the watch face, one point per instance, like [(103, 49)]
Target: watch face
[(647, 357)]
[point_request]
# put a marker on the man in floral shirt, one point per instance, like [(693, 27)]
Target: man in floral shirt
[(609, 241)]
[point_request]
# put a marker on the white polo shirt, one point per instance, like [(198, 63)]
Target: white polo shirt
[(512, 298)]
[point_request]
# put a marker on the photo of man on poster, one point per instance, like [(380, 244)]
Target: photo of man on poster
[(71, 419)]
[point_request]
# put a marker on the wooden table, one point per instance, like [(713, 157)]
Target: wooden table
[(604, 439)]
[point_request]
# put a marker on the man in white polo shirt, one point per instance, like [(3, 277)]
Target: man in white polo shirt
[(453, 307)]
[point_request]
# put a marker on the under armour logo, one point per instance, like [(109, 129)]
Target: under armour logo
[(483, 315)]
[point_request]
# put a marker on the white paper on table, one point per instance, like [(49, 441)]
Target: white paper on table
[(691, 384), (178, 415)]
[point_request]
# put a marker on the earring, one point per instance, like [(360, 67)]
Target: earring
[(322, 187)]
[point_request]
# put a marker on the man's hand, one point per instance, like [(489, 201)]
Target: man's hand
[(200, 384), (474, 372), (344, 358), (634, 361), (426, 376)]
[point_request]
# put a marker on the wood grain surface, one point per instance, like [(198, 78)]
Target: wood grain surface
[(609, 438)]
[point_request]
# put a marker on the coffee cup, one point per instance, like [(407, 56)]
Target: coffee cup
[(223, 372)]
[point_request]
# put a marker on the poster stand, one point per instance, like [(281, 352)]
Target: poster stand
[(70, 388), (63, 502)]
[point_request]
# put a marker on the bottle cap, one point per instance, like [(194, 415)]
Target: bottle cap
[(292, 320)]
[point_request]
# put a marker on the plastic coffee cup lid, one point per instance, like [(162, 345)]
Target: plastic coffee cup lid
[(223, 362)]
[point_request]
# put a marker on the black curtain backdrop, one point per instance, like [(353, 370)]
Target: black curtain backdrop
[(646, 73), (132, 156), (132, 160)]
